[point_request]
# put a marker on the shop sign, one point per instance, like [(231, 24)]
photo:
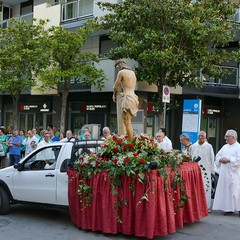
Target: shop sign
[(95, 107), (43, 107)]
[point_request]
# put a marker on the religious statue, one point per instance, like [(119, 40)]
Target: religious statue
[(125, 98)]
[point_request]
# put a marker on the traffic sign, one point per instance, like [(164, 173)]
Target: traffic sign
[(166, 94)]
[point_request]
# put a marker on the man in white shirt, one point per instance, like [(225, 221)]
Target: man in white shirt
[(161, 144), (204, 150), (31, 142), (47, 154), (106, 133), (69, 135), (227, 196), (166, 140)]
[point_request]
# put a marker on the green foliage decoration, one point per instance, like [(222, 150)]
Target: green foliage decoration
[(117, 157)]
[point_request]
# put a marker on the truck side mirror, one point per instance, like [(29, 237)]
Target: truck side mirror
[(18, 166)]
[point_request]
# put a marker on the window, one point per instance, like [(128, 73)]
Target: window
[(85, 7), (44, 159), (72, 10), (106, 44), (26, 7)]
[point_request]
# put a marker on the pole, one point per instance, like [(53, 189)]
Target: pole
[(164, 114)]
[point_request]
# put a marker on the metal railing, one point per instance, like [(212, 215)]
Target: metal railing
[(75, 10), (231, 78), (236, 17), (28, 18)]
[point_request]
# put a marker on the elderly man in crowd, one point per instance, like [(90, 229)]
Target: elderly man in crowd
[(106, 133), (31, 142), (204, 151), (160, 141), (166, 140), (227, 196), (187, 145)]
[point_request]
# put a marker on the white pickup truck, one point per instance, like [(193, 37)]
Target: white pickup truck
[(41, 176)]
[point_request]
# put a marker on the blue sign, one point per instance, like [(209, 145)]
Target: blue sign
[(191, 118)]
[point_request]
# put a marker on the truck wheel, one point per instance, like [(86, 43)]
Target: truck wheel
[(4, 202)]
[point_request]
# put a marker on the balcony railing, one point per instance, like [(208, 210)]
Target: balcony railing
[(79, 9), (236, 17), (28, 18), (230, 79)]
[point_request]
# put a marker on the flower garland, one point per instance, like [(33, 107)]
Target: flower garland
[(119, 157)]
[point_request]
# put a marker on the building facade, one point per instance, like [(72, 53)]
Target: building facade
[(87, 105)]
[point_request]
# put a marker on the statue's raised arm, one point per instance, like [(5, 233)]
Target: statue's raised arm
[(125, 98)]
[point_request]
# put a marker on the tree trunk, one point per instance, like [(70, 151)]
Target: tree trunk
[(160, 106), (15, 111), (63, 112)]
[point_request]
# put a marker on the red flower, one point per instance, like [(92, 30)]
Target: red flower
[(136, 154), (127, 160), (105, 159), (126, 137), (150, 145), (124, 147), (84, 164), (114, 137), (115, 161), (140, 144), (188, 158), (105, 146), (142, 161), (119, 141), (115, 149), (130, 145)]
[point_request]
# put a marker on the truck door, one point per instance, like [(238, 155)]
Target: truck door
[(37, 179)]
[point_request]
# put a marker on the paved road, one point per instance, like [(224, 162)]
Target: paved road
[(31, 222)]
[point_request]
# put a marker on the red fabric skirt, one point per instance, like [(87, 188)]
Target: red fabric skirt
[(156, 216)]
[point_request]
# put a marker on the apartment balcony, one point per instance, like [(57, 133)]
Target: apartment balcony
[(14, 2), (28, 18), (230, 80), (236, 17), (77, 10), (225, 87)]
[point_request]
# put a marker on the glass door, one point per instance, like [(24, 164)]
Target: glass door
[(27, 121), (211, 127)]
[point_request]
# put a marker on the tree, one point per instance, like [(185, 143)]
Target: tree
[(68, 61), (172, 41), (21, 54)]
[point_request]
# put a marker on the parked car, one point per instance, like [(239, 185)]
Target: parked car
[(41, 176)]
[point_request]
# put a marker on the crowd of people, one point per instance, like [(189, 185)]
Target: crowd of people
[(226, 162), (14, 145)]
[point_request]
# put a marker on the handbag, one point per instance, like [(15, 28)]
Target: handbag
[(2, 153)]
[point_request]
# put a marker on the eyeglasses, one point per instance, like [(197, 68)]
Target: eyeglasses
[(227, 136)]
